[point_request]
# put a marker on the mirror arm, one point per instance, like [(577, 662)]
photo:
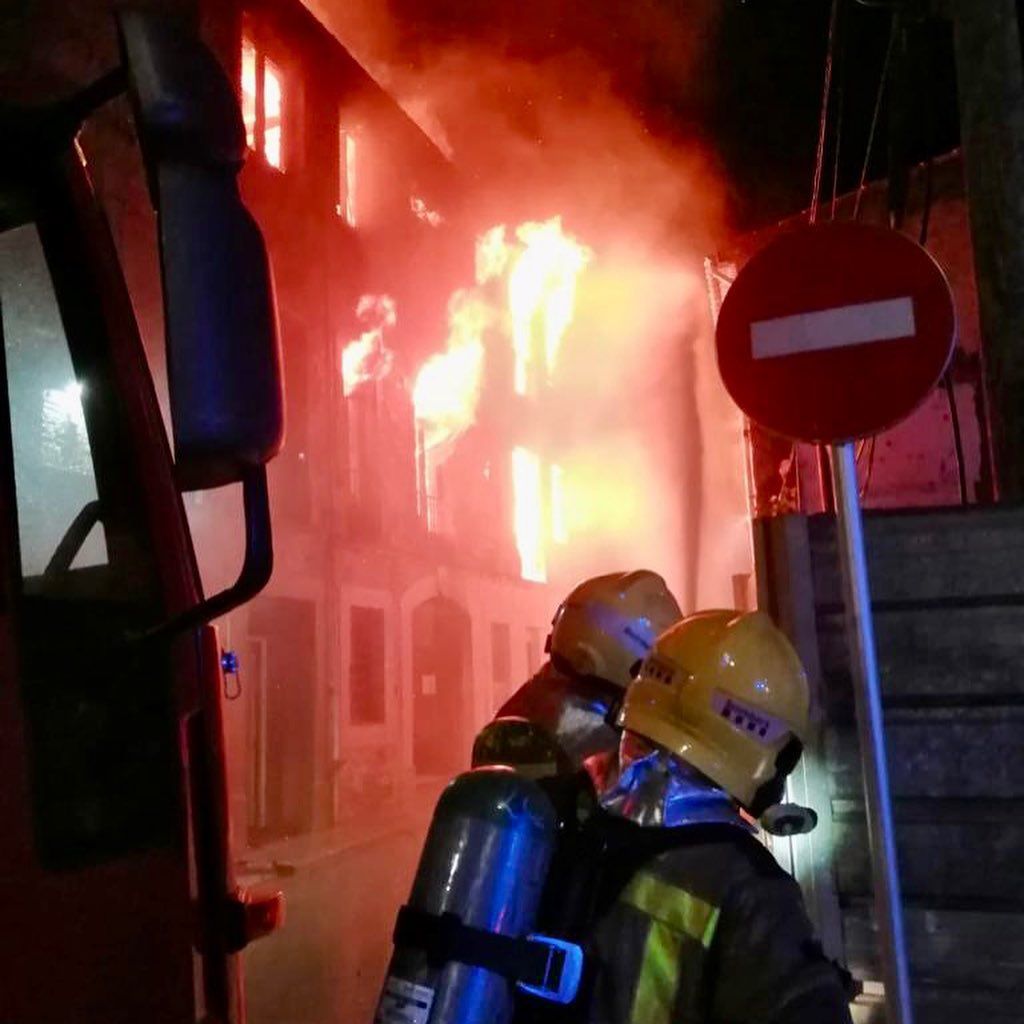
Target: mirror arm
[(257, 564)]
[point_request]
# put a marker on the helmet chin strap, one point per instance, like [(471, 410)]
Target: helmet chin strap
[(772, 791)]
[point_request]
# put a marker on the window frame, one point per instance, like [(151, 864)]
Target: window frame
[(380, 701), (87, 320), (351, 733), (262, 57)]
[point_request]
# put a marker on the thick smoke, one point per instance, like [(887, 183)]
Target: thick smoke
[(559, 109)]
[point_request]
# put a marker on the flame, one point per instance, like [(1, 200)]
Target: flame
[(526, 283), (348, 164), (528, 517), (542, 294), (249, 92), (492, 254), (447, 387), (424, 213), (367, 358)]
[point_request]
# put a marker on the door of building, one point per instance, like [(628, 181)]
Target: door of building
[(286, 628), (440, 669)]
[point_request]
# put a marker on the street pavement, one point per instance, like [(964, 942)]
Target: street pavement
[(325, 966)]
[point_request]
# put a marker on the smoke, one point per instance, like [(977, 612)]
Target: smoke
[(565, 110)]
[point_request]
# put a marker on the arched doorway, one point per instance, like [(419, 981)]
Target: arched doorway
[(441, 662)]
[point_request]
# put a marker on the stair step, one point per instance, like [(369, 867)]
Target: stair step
[(923, 556), (941, 844), (935, 1004), (981, 952), (943, 653), (942, 1004), (958, 752)]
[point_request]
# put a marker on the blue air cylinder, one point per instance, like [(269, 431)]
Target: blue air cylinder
[(485, 859)]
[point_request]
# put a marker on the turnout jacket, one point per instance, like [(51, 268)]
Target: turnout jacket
[(699, 925)]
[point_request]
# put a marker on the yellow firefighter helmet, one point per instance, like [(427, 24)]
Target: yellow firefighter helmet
[(726, 692), (607, 625)]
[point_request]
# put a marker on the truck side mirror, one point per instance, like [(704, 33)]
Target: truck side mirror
[(223, 352)]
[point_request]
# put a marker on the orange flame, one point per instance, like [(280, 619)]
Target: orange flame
[(424, 213), (447, 387), (367, 358), (528, 517), (538, 267)]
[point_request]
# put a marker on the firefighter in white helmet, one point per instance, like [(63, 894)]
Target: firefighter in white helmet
[(566, 713), (693, 920)]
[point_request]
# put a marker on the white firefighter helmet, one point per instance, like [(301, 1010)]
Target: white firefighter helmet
[(607, 624)]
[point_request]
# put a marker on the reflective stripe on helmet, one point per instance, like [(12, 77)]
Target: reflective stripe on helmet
[(676, 918)]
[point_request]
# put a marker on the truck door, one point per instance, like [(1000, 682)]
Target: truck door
[(94, 870)]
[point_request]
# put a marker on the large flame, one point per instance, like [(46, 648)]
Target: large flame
[(528, 514), (540, 267), (542, 295), (447, 387), (367, 357), (526, 282)]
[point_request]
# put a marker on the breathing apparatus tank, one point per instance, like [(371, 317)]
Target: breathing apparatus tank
[(464, 941)]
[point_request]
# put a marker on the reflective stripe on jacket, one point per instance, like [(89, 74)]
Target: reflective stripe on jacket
[(711, 931)]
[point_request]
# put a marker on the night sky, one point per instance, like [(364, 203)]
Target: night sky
[(744, 77), (765, 107)]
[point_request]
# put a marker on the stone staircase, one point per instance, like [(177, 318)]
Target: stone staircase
[(948, 596)]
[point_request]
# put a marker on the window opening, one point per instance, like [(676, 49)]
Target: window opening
[(347, 175), (54, 478), (366, 676), (263, 101)]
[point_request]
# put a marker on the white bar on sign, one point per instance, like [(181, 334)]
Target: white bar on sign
[(832, 328)]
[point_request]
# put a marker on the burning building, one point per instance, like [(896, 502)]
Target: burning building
[(498, 381), (482, 409)]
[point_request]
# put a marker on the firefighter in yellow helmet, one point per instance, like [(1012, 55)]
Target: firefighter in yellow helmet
[(693, 920), (566, 713)]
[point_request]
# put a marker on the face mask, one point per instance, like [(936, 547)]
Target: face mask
[(658, 789)]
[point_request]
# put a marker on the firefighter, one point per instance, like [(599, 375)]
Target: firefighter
[(692, 918), (566, 712)]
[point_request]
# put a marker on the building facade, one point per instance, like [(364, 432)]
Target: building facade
[(397, 617)]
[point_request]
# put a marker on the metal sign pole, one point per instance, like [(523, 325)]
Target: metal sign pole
[(871, 728)]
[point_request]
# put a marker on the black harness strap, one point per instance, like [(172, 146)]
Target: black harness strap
[(445, 939)]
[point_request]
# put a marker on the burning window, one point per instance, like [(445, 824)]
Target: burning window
[(528, 520), (272, 115), (249, 92), (263, 99), (347, 171)]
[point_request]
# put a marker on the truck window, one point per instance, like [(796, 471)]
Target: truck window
[(53, 470), (97, 696)]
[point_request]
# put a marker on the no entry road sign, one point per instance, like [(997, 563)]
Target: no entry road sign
[(835, 332), (828, 334)]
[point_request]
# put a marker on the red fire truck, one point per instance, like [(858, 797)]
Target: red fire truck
[(118, 902)]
